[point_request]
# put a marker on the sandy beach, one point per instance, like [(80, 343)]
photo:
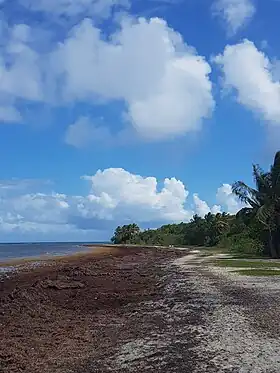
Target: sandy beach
[(138, 310), (56, 317)]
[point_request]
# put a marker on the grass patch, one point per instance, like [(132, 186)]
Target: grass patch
[(236, 263), (248, 256), (258, 272), (208, 251), (203, 254)]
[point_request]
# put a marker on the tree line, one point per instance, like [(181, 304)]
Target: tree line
[(255, 229)]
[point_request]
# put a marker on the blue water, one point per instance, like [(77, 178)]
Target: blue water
[(29, 250)]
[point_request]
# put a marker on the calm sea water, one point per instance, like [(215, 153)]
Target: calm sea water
[(29, 250)]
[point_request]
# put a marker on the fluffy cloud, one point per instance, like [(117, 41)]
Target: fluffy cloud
[(255, 83), (228, 200), (202, 208), (163, 83), (235, 13), (115, 196), (21, 71), (126, 196), (21, 77)]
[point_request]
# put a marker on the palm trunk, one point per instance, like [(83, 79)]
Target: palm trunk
[(273, 245), (277, 243), (276, 237)]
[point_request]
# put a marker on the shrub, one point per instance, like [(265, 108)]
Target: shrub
[(243, 243)]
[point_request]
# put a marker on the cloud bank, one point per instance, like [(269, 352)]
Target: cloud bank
[(115, 197)]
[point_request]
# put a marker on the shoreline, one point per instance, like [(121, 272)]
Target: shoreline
[(91, 249), (15, 266), (55, 319)]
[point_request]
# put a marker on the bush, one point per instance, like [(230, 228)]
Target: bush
[(243, 243)]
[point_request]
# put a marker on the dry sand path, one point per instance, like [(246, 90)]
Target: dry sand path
[(240, 329)]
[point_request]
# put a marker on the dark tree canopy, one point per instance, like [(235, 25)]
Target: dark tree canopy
[(125, 234)]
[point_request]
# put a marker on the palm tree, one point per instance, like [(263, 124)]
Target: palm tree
[(132, 231), (215, 226), (263, 202), (221, 222), (125, 234)]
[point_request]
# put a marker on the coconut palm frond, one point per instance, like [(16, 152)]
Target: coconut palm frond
[(265, 214), (246, 213), (246, 194), (262, 180)]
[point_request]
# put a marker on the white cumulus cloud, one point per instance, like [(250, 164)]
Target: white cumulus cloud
[(160, 83), (115, 197), (163, 83), (21, 71), (138, 198), (234, 13), (202, 208), (21, 77), (228, 200), (250, 73)]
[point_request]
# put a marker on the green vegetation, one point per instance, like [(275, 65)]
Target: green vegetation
[(126, 234), (236, 263), (253, 231), (258, 272), (264, 204)]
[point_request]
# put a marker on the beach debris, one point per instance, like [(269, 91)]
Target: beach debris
[(62, 284)]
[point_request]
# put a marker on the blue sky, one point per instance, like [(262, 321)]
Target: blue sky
[(115, 111)]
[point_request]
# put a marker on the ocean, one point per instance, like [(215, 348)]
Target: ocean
[(10, 251)]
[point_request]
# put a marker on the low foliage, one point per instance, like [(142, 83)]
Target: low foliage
[(222, 230)]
